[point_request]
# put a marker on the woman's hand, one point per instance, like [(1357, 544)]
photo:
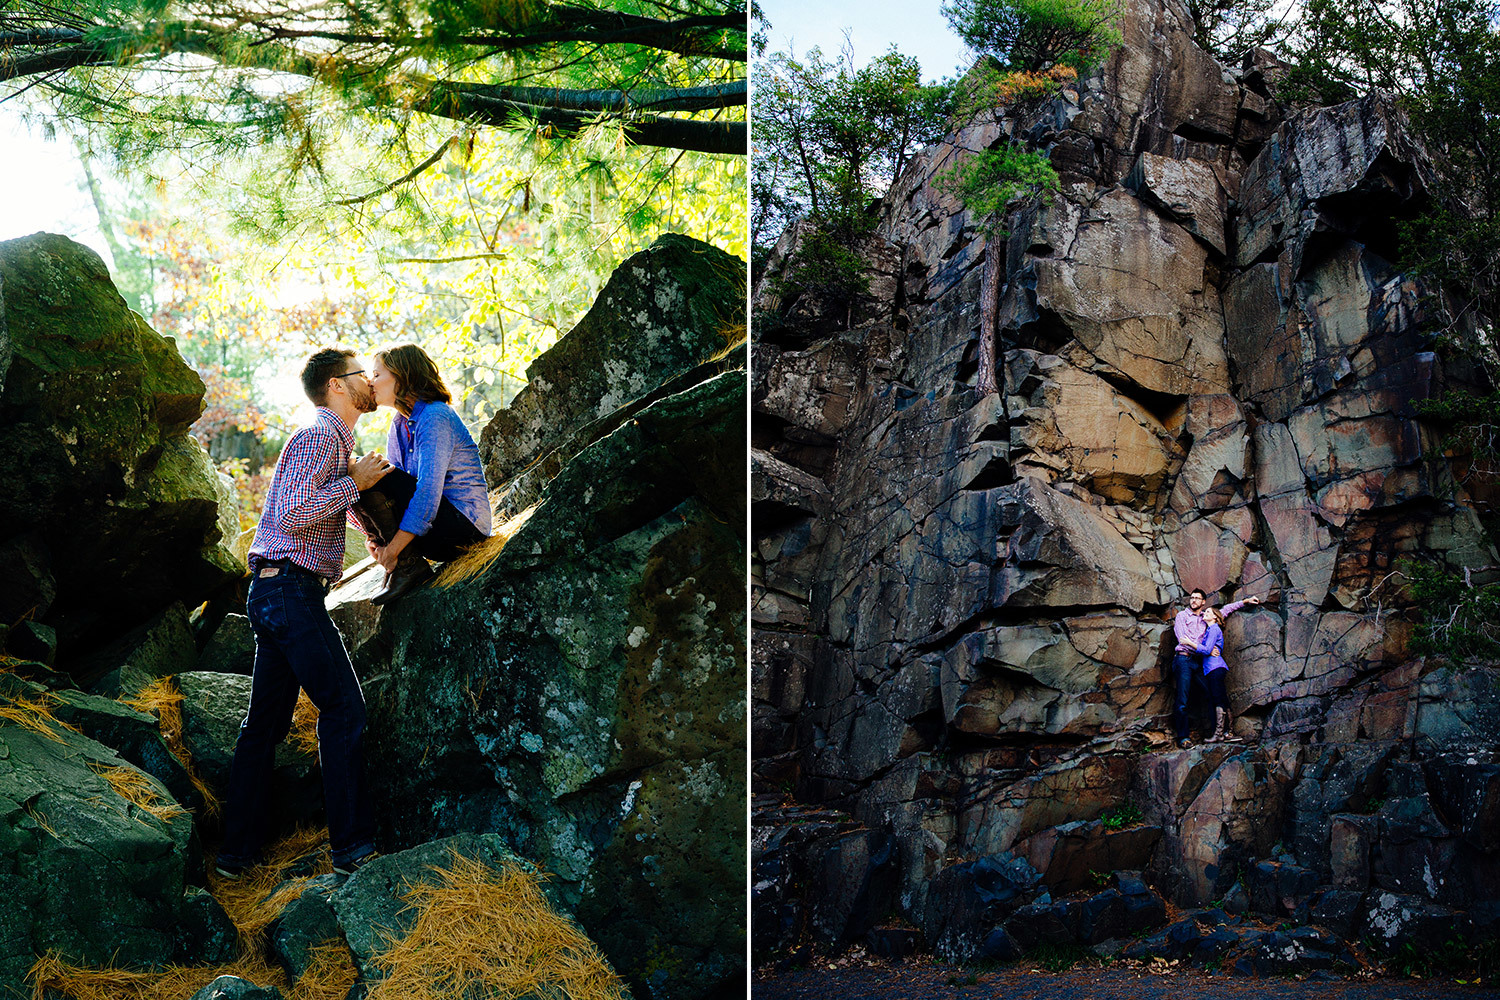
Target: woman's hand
[(1252, 600), (387, 555), (1216, 652)]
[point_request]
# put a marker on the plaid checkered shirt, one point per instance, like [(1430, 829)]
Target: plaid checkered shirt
[(303, 519)]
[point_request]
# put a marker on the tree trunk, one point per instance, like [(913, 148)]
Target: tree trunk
[(988, 379)]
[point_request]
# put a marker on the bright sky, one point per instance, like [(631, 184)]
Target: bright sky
[(45, 187), (916, 27), (48, 193)]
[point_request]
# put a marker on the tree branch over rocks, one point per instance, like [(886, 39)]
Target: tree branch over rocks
[(375, 67)]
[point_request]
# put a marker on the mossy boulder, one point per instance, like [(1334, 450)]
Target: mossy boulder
[(96, 876), (584, 695), (581, 692), (124, 508), (670, 308)]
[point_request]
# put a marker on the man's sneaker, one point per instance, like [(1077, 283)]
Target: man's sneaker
[(230, 872), (1184, 744), (350, 867)]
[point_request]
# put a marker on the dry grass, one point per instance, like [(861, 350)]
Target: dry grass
[(248, 900), (305, 725), (492, 933), (35, 714), (163, 699), (52, 976), (136, 788), (478, 558)]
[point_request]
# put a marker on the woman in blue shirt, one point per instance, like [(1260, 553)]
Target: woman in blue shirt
[(435, 503), (1216, 671)]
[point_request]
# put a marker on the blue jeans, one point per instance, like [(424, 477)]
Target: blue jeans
[(297, 646), (1186, 667)]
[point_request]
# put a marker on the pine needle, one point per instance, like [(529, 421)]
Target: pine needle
[(138, 789), (51, 976), (163, 699), (305, 725), (330, 974), (483, 932), (35, 714), (479, 556), (249, 900)]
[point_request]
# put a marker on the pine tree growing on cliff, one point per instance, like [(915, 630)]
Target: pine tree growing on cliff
[(1028, 49)]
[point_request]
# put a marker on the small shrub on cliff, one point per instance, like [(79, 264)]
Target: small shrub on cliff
[(1459, 619), (988, 182), (1120, 817)]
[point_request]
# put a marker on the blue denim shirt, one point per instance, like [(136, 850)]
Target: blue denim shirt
[(435, 447)]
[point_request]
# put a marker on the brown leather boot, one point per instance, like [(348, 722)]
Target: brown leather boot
[(1218, 735), (411, 571), (373, 512)]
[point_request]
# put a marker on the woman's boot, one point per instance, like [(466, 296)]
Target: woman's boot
[(377, 517), (1229, 735), (411, 571), (373, 512), (1219, 716)]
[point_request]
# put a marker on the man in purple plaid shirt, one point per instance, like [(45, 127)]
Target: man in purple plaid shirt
[(297, 554)]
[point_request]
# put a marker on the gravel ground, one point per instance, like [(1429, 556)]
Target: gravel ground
[(915, 981)]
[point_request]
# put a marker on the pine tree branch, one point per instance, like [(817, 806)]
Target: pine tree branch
[(693, 36), (566, 111), (726, 95), (404, 178)]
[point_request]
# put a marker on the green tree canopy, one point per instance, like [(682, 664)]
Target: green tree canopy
[(1034, 35), (829, 136)]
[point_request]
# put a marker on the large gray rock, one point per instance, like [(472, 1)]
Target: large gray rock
[(99, 878), (664, 312), (102, 472)]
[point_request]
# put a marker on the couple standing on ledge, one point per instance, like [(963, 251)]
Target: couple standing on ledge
[(1199, 655), (429, 501)]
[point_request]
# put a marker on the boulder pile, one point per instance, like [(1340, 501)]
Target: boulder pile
[(567, 699)]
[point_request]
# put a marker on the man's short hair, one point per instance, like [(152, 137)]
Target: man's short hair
[(1199, 591), (322, 366)]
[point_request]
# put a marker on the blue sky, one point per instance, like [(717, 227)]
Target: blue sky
[(917, 27)]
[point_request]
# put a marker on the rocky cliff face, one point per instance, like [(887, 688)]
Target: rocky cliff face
[(962, 602)]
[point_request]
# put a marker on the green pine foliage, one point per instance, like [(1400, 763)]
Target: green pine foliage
[(993, 179), (1458, 618), (1035, 35)]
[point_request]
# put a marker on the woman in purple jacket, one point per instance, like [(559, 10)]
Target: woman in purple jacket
[(435, 503), (1215, 670)]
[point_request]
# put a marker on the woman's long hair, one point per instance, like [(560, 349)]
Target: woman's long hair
[(416, 376)]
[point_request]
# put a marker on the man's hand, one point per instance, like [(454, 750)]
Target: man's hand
[(368, 470), (372, 548)]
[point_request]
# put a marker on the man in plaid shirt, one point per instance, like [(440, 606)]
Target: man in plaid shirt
[(297, 554)]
